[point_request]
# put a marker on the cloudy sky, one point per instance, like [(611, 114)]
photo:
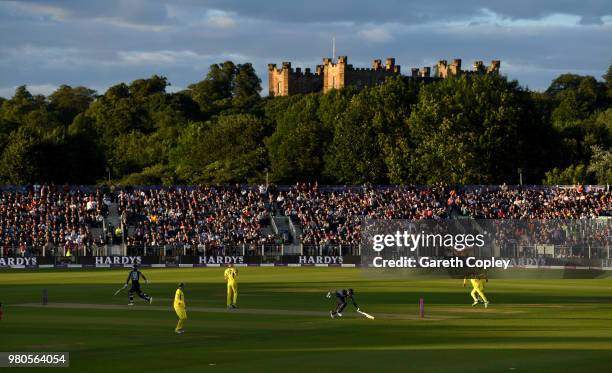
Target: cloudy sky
[(99, 43)]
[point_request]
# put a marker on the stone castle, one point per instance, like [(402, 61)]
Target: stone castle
[(334, 75)]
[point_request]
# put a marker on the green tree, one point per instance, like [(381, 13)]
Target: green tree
[(141, 89), (247, 86), (68, 102), (296, 148), (21, 104), (20, 158), (608, 79), (601, 165), (473, 130), (578, 97), (214, 93), (574, 174), (229, 149), (371, 141)]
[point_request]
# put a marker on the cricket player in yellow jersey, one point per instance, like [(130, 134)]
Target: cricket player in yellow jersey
[(231, 276), (179, 308), (482, 279), (477, 288)]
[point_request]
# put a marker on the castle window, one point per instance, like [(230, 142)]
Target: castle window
[(280, 91), (333, 82)]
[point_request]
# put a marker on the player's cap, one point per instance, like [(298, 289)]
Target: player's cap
[(181, 285), (135, 266)]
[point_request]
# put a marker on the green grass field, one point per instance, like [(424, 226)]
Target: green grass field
[(543, 325)]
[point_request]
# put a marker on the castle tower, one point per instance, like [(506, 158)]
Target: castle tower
[(287, 81), (478, 68), (493, 68), (455, 67), (278, 79), (334, 73)]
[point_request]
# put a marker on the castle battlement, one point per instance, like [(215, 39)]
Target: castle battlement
[(286, 80), (286, 67), (444, 70)]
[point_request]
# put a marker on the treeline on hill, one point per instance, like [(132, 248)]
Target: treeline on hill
[(477, 130)]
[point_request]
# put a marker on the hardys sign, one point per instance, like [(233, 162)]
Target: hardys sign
[(220, 260), (320, 259), (10, 262), (118, 260)]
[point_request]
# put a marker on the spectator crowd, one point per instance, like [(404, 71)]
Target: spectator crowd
[(59, 219), (45, 217)]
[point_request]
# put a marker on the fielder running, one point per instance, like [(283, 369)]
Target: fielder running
[(341, 297), (478, 288), (135, 276), (179, 308), (231, 276)]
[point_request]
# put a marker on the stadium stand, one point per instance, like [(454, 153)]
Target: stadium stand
[(45, 219)]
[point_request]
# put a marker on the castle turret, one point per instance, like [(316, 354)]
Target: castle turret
[(390, 64), (494, 67), (377, 65), (478, 67)]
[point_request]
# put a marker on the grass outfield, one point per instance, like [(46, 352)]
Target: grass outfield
[(543, 325)]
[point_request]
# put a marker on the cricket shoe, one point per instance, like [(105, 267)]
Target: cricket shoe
[(150, 300), (486, 304), (180, 331), (233, 306), (339, 314), (475, 303), (131, 304), (331, 314)]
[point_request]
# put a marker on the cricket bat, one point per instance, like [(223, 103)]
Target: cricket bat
[(121, 288), (366, 315)]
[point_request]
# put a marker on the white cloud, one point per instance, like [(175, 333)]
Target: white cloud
[(158, 57), (118, 22), (220, 19), (376, 34)]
